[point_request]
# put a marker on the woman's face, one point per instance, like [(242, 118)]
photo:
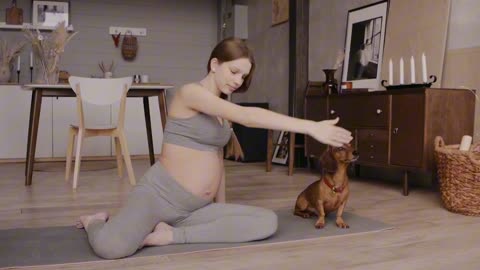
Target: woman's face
[(229, 76)]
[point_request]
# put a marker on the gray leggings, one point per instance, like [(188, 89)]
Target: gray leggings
[(160, 198)]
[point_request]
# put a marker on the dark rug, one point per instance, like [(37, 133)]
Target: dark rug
[(59, 245)]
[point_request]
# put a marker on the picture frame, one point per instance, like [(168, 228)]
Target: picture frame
[(364, 43), (50, 13), (280, 10), (280, 155)]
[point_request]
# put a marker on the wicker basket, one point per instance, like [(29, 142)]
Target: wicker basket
[(459, 177), (129, 46)]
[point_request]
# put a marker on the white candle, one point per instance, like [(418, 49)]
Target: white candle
[(412, 69), (31, 59), (390, 72), (18, 63), (401, 71), (424, 68)]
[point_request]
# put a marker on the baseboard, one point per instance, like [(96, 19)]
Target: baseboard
[(62, 159)]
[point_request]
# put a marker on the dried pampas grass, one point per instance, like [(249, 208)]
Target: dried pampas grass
[(7, 54), (339, 59), (49, 48)]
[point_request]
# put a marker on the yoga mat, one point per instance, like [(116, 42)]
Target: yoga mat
[(60, 245)]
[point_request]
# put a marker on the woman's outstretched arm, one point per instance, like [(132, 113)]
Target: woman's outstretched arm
[(196, 98)]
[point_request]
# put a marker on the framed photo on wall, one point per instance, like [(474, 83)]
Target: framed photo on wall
[(280, 155), (50, 13), (280, 9), (364, 45)]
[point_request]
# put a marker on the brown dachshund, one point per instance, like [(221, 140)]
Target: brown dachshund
[(330, 192)]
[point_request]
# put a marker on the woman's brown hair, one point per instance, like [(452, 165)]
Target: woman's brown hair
[(231, 49)]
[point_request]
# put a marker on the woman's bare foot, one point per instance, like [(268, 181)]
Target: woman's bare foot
[(162, 235), (85, 220)]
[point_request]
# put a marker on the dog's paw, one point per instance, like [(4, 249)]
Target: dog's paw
[(342, 225), (319, 225)]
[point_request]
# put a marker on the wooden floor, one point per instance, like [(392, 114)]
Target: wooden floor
[(425, 236)]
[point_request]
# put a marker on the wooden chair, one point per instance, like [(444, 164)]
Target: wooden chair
[(99, 92)]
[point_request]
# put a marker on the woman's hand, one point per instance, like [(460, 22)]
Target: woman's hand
[(326, 132)]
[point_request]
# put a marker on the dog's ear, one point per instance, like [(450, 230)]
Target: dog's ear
[(328, 162)]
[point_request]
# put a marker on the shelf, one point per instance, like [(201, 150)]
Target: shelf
[(3, 25)]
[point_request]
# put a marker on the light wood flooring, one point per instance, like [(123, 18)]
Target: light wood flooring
[(426, 236)]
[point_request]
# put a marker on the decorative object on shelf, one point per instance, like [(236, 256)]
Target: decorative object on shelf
[(280, 10), (116, 39), (330, 85), (47, 50), (13, 14), (129, 46), (433, 79), (31, 66), (7, 55), (107, 71), (364, 45), (63, 76), (50, 13)]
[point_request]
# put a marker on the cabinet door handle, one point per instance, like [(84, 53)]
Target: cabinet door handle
[(332, 111), (371, 146), (379, 111), (372, 157), (395, 131)]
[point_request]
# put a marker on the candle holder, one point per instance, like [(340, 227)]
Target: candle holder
[(433, 79)]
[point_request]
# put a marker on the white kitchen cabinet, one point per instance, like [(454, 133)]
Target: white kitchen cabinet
[(14, 116)]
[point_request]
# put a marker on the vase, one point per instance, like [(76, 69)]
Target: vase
[(46, 77), (330, 85), (5, 73)]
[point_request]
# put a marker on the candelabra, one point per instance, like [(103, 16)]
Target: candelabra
[(433, 79)]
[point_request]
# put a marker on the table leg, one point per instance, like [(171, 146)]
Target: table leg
[(148, 123), (32, 140), (32, 102)]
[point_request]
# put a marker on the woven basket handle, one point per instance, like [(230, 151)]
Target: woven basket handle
[(439, 143)]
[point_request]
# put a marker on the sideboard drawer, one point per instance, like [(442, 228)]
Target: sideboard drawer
[(360, 111), (372, 145)]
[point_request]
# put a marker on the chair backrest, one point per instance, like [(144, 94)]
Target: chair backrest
[(100, 91)]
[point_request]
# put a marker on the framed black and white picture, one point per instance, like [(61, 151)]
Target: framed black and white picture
[(364, 45), (50, 13), (280, 155)]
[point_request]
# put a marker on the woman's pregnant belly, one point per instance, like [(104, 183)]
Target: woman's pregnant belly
[(197, 171)]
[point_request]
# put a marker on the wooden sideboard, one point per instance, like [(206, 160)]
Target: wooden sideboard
[(395, 128)]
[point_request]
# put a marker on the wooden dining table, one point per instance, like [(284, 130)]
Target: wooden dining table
[(40, 91)]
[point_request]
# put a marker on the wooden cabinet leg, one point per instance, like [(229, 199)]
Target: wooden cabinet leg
[(357, 170), (291, 153), (269, 150), (405, 183)]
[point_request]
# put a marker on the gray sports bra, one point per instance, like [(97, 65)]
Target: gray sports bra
[(201, 132)]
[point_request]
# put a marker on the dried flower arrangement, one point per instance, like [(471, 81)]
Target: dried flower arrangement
[(107, 71), (48, 49), (339, 59), (7, 55)]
